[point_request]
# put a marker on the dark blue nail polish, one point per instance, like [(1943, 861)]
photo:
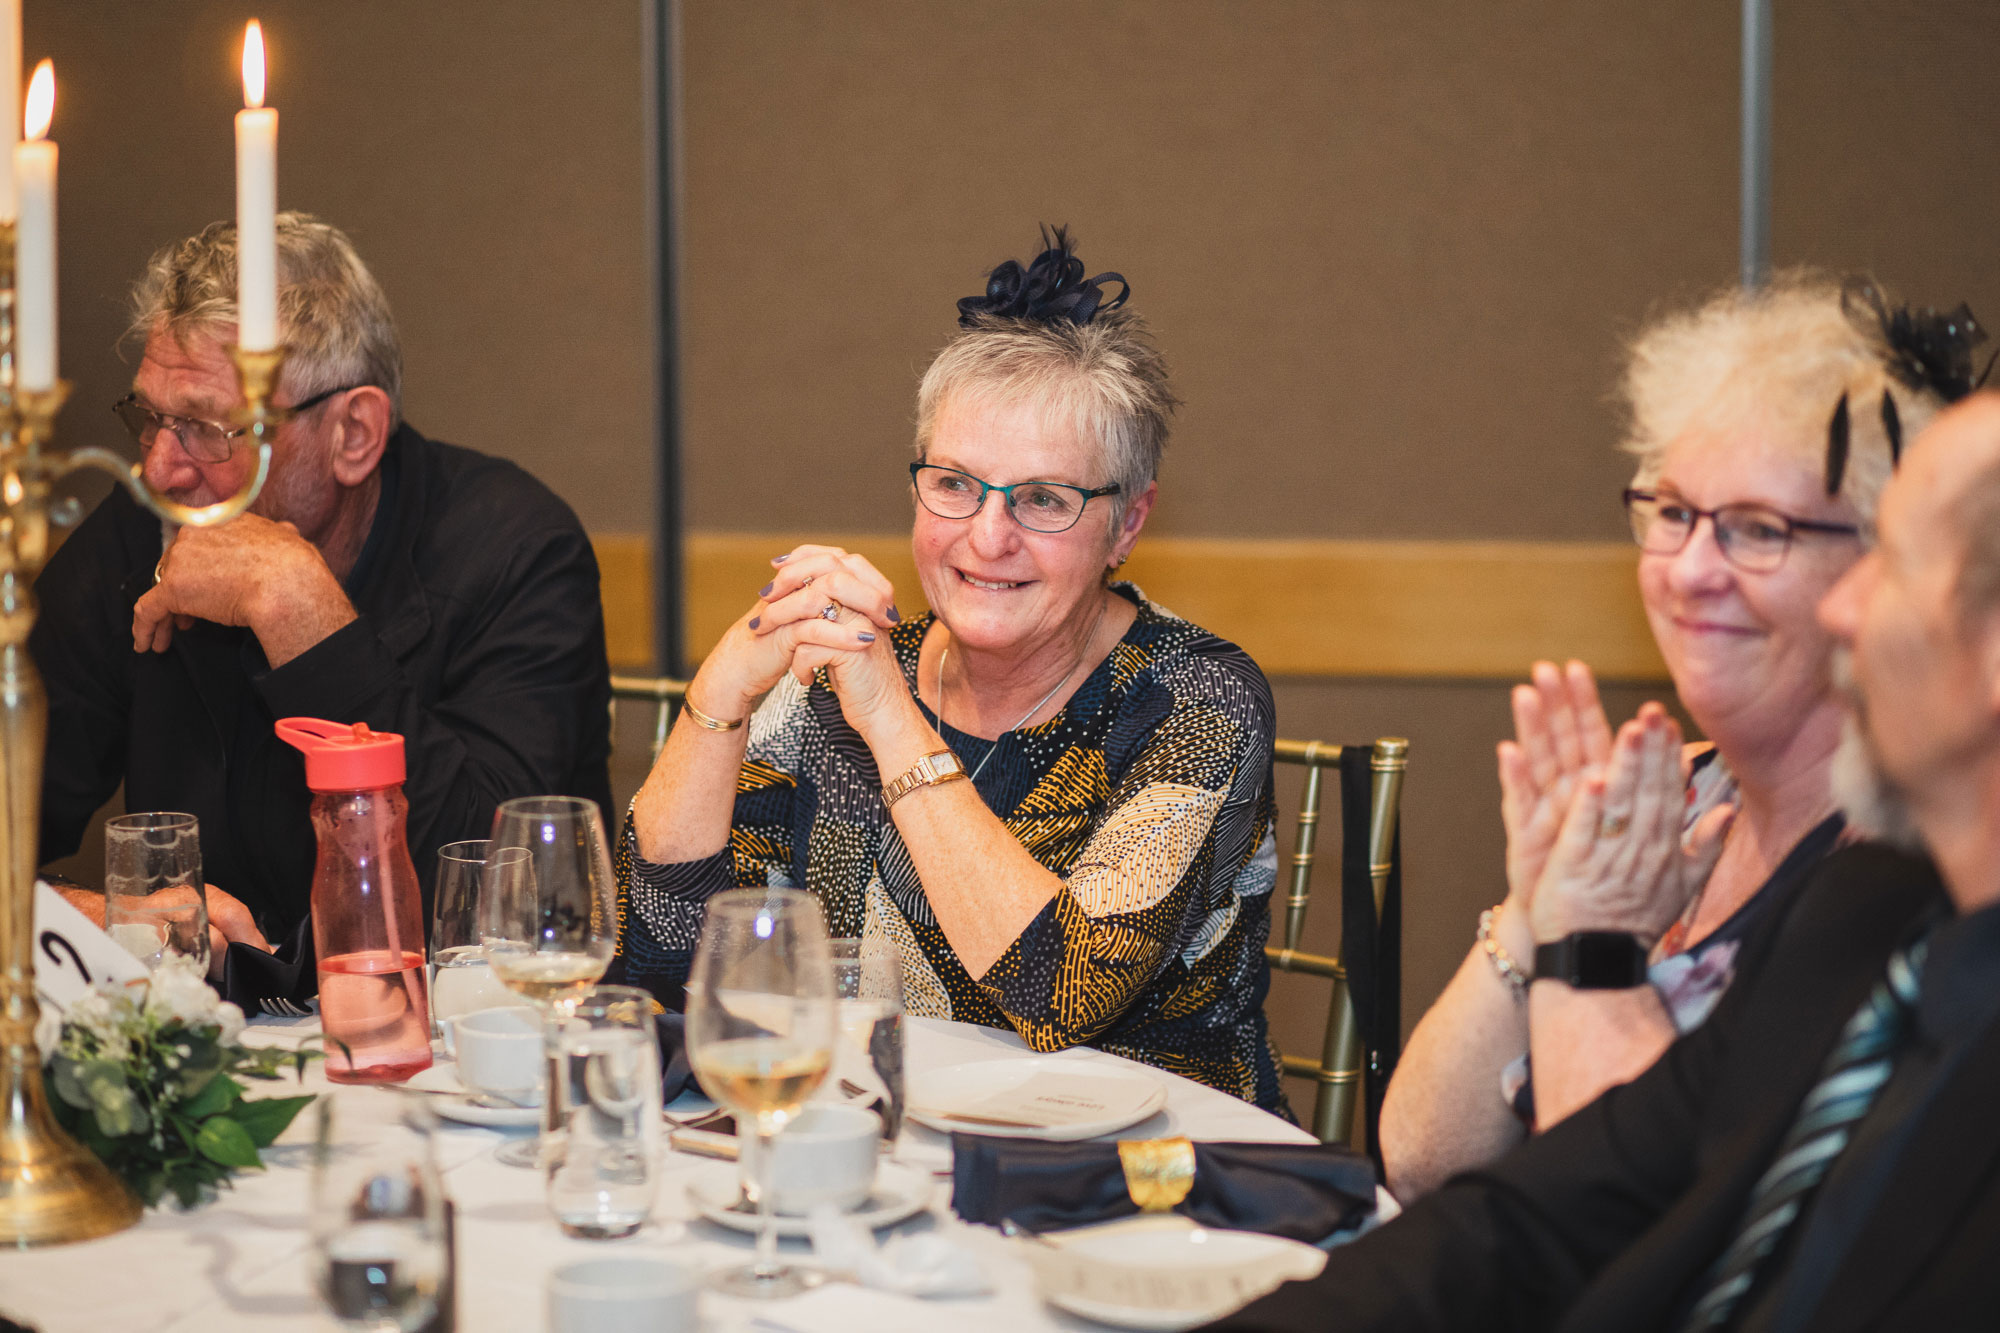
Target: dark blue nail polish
[(895, 616), (765, 591), (865, 636), (755, 621)]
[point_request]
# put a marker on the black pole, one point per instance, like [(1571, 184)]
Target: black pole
[(664, 164)]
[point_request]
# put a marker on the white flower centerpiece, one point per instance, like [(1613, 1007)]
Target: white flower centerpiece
[(148, 1076)]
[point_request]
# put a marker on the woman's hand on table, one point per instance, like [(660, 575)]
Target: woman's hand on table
[(1560, 730), (229, 921), (1620, 861)]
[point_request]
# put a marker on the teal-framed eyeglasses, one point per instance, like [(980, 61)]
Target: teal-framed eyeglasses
[(1038, 506)]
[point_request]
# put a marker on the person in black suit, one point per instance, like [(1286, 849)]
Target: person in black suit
[(1825, 1153)]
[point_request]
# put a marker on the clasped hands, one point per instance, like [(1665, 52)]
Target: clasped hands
[(229, 921), (823, 608), (1594, 820)]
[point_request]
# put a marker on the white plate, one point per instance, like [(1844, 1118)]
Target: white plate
[(1163, 1273), (899, 1192), (1036, 1098), (445, 1095)]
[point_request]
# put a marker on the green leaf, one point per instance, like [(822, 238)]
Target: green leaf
[(219, 1095), (267, 1117), (223, 1140)]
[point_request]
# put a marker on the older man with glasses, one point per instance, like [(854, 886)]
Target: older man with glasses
[(380, 577)]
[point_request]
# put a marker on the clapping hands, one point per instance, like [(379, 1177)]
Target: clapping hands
[(1594, 836)]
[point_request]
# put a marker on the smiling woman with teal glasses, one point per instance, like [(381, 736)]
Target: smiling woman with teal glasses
[(1052, 796)]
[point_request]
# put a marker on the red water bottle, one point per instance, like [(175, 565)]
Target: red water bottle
[(367, 909)]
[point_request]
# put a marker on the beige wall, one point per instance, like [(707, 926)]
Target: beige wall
[(1390, 248)]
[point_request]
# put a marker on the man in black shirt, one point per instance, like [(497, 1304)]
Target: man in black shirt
[(380, 577), (1823, 1154)]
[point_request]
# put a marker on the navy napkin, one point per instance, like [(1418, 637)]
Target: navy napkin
[(1303, 1191)]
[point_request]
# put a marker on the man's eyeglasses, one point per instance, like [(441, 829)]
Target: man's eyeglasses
[(203, 441), (1038, 506), (1752, 537)]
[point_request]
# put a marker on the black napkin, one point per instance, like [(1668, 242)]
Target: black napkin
[(674, 1072), (1303, 1191), (281, 983)]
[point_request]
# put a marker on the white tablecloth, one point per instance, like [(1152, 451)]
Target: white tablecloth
[(240, 1263)]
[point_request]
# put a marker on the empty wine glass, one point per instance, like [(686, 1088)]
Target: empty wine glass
[(548, 915), (760, 1034), (378, 1250), (154, 904)]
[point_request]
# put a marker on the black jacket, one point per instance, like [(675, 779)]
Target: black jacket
[(1610, 1220), (480, 640)]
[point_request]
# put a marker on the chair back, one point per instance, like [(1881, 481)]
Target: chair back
[(664, 693), (1370, 856)]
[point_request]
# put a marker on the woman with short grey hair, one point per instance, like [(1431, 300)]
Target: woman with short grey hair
[(1052, 797)]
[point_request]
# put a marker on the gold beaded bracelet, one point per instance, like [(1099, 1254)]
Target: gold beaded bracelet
[(1503, 962), (702, 719)]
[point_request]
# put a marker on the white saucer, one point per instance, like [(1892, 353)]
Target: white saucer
[(1040, 1097), (899, 1192), (1163, 1273), (448, 1097)]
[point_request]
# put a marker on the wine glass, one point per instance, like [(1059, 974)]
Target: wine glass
[(154, 903), (760, 1034), (462, 981), (378, 1249), (548, 917)]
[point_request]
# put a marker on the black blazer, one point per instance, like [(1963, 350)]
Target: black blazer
[(480, 640), (1611, 1220)]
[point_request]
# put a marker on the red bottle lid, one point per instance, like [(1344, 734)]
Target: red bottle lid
[(340, 757)]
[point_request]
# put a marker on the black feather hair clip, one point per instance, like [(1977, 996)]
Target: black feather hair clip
[(1050, 289), (1921, 349)]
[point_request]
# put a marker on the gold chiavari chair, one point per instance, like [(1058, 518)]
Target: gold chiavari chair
[(1337, 1073), (663, 692)]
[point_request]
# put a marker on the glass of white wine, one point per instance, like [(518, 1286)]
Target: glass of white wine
[(760, 1033), (548, 917)]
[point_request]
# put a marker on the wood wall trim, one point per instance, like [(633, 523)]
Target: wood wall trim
[(1398, 609)]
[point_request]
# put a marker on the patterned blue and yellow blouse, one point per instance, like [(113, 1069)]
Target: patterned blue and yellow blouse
[(1149, 794)]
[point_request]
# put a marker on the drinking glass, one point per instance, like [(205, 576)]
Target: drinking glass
[(868, 985), (153, 899), (378, 1251), (760, 1036), (462, 982), (548, 922), (603, 1187)]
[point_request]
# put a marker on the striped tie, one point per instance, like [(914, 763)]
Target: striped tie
[(1848, 1083)]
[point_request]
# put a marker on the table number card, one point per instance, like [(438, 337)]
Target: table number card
[(71, 956)]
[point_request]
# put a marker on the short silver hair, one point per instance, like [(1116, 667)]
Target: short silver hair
[(1779, 356), (1105, 380), (332, 315)]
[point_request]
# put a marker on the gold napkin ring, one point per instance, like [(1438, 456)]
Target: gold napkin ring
[(1158, 1172)]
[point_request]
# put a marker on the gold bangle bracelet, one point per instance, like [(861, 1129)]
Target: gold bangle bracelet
[(702, 719)]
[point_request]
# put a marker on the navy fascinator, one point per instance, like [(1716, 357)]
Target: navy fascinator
[(1049, 290)]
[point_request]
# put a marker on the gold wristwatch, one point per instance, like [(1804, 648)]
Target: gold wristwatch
[(939, 766)]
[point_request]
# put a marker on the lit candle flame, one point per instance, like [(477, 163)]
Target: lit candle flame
[(253, 64), (41, 101)]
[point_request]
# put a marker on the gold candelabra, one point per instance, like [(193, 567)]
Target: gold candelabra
[(52, 1190)]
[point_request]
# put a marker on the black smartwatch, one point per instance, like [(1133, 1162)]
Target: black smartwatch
[(1593, 960)]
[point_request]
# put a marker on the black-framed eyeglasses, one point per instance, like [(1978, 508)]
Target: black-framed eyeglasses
[(1753, 537), (1038, 506), (203, 441)]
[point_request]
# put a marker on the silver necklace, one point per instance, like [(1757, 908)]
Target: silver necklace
[(1039, 703)]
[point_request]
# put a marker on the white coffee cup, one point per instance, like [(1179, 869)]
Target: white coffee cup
[(826, 1155), (629, 1295), (500, 1054)]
